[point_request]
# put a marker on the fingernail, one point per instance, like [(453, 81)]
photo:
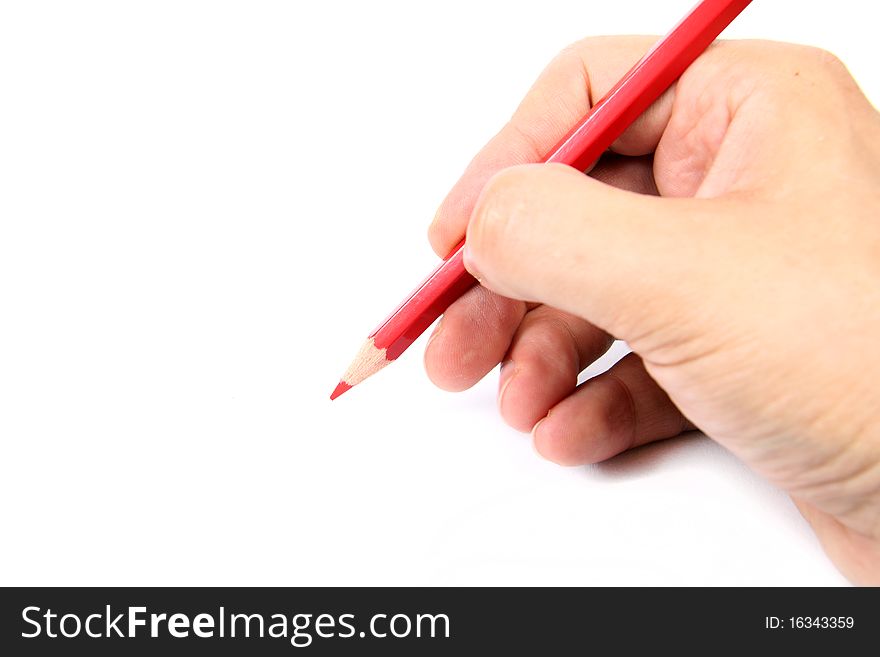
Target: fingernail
[(534, 440), (436, 215), (435, 333), (469, 264), (508, 371), (535, 428)]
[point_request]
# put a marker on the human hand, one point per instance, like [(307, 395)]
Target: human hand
[(732, 238)]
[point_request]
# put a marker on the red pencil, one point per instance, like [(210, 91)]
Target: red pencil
[(580, 148)]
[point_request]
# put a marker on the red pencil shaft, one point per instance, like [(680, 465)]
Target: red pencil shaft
[(644, 82), (580, 148), (427, 302)]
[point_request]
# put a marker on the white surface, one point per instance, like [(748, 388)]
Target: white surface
[(181, 185)]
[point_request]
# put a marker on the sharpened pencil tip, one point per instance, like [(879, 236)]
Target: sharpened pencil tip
[(341, 388), (369, 360)]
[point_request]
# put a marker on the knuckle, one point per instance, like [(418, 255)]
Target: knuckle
[(584, 49), (823, 59), (825, 66), (783, 75), (576, 49)]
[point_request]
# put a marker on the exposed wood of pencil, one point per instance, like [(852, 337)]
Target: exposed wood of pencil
[(580, 148), (409, 320), (369, 360)]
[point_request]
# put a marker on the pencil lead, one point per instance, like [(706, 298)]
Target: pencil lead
[(341, 388)]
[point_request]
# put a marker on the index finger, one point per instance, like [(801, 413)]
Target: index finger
[(563, 93)]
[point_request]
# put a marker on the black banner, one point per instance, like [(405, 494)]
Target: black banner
[(414, 621)]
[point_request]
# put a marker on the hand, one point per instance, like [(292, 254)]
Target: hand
[(732, 238)]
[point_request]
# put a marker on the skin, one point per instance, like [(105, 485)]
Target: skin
[(731, 237)]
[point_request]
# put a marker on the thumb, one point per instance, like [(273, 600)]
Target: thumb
[(629, 263)]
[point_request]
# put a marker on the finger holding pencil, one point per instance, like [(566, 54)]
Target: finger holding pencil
[(580, 149)]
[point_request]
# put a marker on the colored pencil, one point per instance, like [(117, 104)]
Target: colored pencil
[(580, 148)]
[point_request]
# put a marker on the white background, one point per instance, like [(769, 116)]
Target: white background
[(185, 189)]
